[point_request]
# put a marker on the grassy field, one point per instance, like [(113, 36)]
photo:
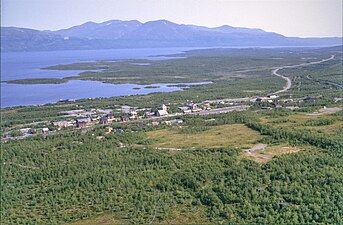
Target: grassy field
[(232, 135)]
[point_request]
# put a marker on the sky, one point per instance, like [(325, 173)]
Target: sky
[(293, 18)]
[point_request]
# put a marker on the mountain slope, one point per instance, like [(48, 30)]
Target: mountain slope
[(22, 39), (134, 34)]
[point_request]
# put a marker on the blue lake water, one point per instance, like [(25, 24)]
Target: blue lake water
[(21, 65), (37, 94)]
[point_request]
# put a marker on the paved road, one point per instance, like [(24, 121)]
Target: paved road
[(325, 111), (201, 113), (289, 81), (246, 99), (222, 110), (274, 72)]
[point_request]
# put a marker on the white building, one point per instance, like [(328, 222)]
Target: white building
[(162, 111)]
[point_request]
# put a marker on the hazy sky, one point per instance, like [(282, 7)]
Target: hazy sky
[(303, 18)]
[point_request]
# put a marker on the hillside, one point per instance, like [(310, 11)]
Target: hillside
[(277, 162)]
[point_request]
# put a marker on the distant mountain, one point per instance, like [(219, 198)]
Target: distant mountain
[(113, 29), (22, 39), (134, 34)]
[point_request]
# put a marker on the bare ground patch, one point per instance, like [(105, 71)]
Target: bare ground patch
[(266, 153)]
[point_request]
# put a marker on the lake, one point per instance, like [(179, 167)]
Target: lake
[(21, 65)]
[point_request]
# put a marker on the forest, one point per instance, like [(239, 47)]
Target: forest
[(71, 177)]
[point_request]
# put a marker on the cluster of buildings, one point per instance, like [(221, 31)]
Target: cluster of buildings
[(276, 104), (271, 98), (268, 98), (193, 107), (91, 118), (30, 131)]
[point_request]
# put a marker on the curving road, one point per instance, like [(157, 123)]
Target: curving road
[(289, 81)]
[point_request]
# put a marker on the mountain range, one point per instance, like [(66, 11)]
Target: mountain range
[(134, 34)]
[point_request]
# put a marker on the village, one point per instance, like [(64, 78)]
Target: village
[(91, 117)]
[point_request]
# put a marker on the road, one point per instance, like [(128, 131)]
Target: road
[(246, 99), (325, 111), (222, 110), (289, 81), (201, 113), (208, 112), (274, 72)]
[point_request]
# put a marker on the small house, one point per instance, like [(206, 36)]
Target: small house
[(286, 100), (148, 114), (110, 116), (193, 106), (272, 96), (155, 123), (259, 100), (125, 109), (184, 109), (104, 120), (86, 120), (61, 124), (276, 105), (176, 121), (45, 130), (206, 106), (25, 130), (169, 122), (133, 115), (82, 124), (124, 118)]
